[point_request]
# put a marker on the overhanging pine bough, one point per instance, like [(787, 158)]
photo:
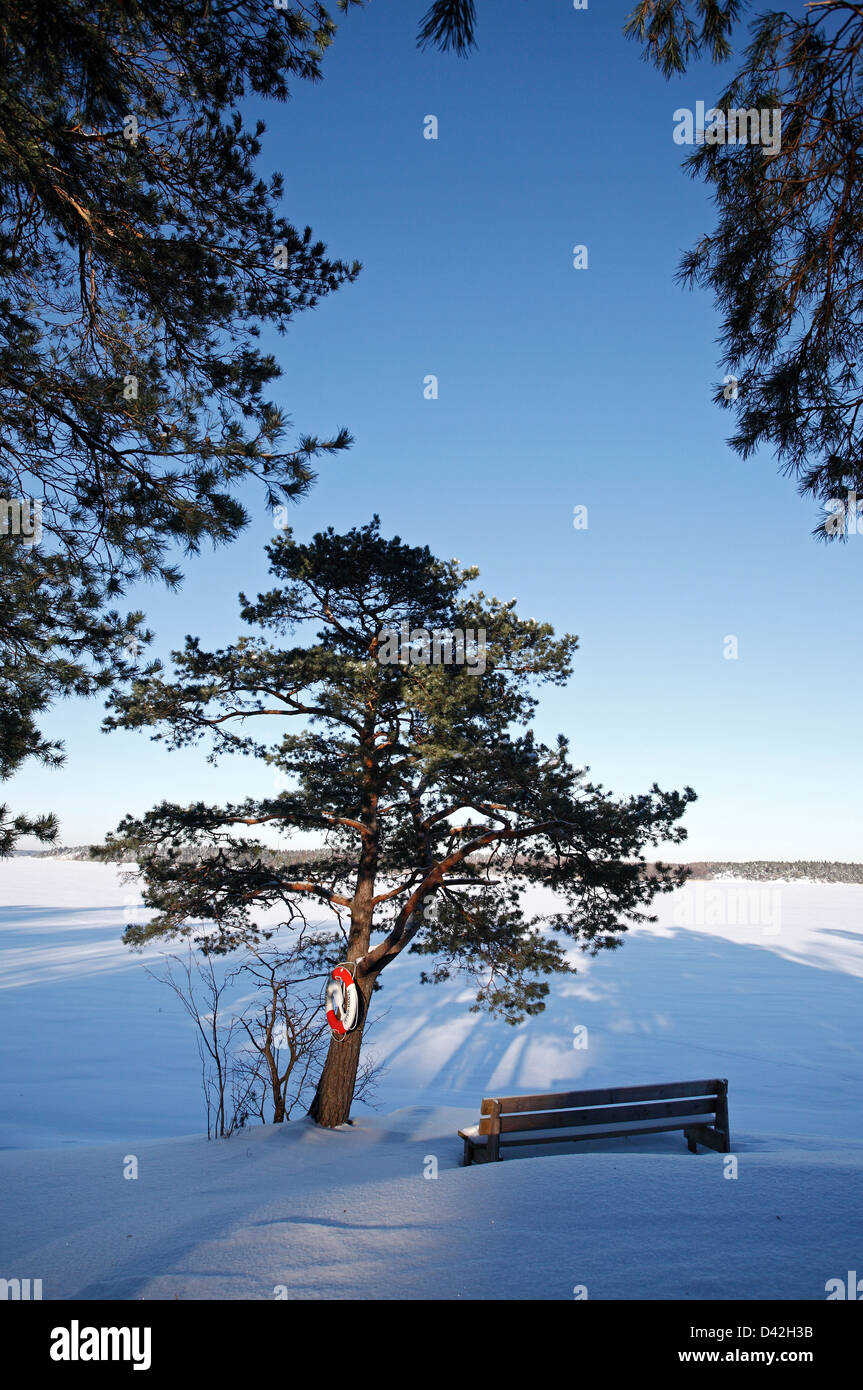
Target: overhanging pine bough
[(785, 261), (438, 804), (140, 253)]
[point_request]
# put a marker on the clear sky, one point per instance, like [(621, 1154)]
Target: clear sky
[(557, 388)]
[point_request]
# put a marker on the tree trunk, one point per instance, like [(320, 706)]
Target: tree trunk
[(335, 1091), (332, 1103)]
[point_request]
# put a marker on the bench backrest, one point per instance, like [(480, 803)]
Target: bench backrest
[(622, 1104)]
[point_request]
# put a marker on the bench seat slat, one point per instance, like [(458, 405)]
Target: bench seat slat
[(620, 1114), (574, 1136)]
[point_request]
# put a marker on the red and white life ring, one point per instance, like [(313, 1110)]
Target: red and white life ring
[(343, 1001)]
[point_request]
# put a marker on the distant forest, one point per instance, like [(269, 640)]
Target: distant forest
[(820, 870), (758, 870)]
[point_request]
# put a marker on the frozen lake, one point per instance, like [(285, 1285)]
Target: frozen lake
[(92, 1048)]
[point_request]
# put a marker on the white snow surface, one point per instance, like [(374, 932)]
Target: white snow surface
[(97, 1062)]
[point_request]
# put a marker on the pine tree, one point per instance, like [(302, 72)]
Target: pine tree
[(438, 803), (140, 253), (785, 259)]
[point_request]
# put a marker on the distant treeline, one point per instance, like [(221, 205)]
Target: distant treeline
[(757, 870), (274, 856), (820, 870)]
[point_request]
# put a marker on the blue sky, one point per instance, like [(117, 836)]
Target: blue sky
[(557, 388)]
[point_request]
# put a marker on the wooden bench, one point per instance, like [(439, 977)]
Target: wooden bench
[(699, 1108)]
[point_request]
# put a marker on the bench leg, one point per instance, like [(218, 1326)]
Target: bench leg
[(722, 1118), (693, 1147), (468, 1154), (712, 1139)]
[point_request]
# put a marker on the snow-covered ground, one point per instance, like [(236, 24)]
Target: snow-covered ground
[(760, 983)]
